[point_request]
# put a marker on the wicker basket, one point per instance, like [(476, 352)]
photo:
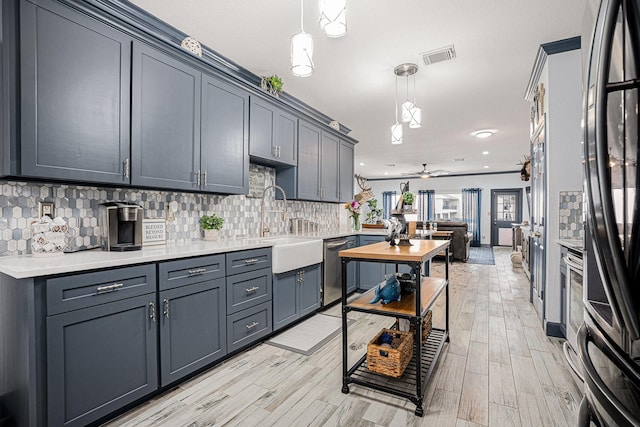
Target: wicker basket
[(390, 361), (427, 325)]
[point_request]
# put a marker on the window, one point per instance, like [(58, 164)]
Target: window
[(448, 206), (389, 202)]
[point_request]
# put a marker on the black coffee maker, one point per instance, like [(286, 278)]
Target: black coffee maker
[(120, 226)]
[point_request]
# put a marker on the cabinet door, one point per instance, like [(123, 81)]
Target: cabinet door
[(329, 168), (352, 267), (99, 359), (225, 137), (345, 190), (75, 82), (165, 123), (286, 138), (308, 161), (370, 273), (261, 130), (309, 289), (285, 304), (192, 328)]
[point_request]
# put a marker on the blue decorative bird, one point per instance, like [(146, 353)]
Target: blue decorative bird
[(388, 293)]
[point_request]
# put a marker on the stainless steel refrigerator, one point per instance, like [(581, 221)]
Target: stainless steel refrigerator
[(609, 339)]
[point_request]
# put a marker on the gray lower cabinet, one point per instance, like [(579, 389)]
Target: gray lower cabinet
[(352, 267), (192, 328), (372, 273), (165, 120), (192, 315), (248, 302), (295, 294), (75, 95), (273, 134), (102, 353)]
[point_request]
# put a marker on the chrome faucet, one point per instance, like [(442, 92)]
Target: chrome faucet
[(263, 228)]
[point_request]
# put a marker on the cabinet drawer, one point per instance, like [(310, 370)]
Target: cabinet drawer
[(248, 326), (243, 261), (248, 289), (89, 289), (188, 271)]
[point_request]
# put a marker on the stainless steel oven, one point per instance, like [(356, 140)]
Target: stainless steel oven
[(574, 308)]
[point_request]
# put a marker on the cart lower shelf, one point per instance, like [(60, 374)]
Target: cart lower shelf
[(406, 385)]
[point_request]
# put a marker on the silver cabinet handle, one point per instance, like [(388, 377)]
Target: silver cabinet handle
[(253, 325), (197, 271), (251, 261), (204, 179), (198, 178), (152, 311), (109, 288), (125, 171), (274, 151), (253, 289), (165, 311)]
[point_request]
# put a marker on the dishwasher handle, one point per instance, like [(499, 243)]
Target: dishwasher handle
[(333, 245)]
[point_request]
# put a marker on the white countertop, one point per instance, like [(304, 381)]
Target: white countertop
[(575, 244), (26, 266)]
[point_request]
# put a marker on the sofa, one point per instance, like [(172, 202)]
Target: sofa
[(460, 239)]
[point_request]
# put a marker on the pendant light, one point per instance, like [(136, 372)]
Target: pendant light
[(302, 50), (333, 17), (415, 112), (396, 130), (410, 112)]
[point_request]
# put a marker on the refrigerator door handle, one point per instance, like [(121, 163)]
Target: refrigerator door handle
[(616, 280), (595, 384)]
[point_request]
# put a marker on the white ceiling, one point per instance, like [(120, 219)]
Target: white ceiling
[(496, 42)]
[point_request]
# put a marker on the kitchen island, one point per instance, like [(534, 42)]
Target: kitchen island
[(413, 307)]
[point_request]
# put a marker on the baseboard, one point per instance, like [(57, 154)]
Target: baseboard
[(553, 329)]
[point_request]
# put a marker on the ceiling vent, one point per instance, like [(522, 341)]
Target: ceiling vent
[(459, 159), (439, 55)]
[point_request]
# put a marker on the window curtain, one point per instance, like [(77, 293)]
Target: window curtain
[(426, 205), (471, 212), (388, 198)]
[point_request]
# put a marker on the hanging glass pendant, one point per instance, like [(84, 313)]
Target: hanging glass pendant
[(333, 17), (302, 54), (406, 111), (416, 118), (396, 133)]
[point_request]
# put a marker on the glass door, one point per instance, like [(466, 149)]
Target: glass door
[(505, 211)]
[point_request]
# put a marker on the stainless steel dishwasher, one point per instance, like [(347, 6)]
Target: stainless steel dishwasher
[(332, 271)]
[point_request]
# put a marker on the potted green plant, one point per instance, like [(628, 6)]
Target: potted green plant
[(211, 224), (374, 212), (407, 199), (272, 84)]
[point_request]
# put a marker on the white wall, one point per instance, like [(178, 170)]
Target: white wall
[(456, 183)]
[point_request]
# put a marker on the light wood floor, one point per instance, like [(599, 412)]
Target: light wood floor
[(499, 370)]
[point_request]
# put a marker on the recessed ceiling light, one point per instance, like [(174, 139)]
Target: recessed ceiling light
[(361, 164), (483, 133), (386, 173), (484, 153), (486, 166)]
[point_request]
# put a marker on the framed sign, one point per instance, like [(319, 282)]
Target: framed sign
[(154, 232), (256, 183)]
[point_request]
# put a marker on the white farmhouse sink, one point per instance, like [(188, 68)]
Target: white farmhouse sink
[(291, 253)]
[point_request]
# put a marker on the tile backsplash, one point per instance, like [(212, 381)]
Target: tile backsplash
[(571, 218), (79, 206)]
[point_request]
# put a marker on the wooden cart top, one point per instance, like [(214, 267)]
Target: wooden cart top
[(422, 250)]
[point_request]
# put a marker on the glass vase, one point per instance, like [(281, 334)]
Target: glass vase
[(356, 223)]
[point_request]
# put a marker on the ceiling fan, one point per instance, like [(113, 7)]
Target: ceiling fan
[(424, 173)]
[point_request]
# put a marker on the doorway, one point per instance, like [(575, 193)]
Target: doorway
[(506, 209)]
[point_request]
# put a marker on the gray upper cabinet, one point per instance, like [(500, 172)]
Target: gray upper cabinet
[(165, 121), (329, 168), (346, 171), (318, 164), (308, 161), (273, 134), (74, 83), (225, 137)]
